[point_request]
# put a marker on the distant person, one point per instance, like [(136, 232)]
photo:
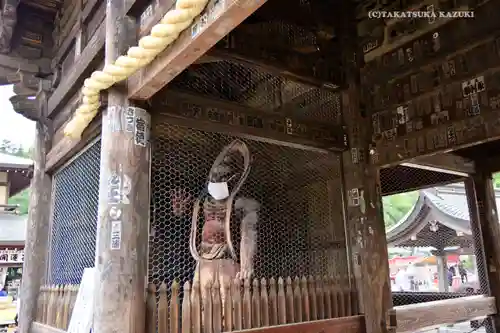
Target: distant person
[(450, 276), (3, 292), (402, 281), (18, 307), (463, 273)]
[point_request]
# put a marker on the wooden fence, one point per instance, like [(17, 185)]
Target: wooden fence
[(253, 304), (249, 305), (55, 305)]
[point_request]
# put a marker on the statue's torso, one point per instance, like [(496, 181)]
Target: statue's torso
[(213, 229)]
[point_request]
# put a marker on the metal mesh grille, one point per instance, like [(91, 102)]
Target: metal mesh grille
[(432, 247), (74, 222), (300, 226), (257, 89), (409, 178)]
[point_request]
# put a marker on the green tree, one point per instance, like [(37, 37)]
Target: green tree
[(22, 198), (496, 180), (397, 206)]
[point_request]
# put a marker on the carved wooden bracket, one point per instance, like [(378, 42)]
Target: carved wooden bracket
[(27, 88)]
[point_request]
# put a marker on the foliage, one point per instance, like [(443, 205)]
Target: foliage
[(23, 197), (496, 180), (7, 147), (397, 206)]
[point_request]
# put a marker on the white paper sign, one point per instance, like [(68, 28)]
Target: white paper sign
[(83, 312)]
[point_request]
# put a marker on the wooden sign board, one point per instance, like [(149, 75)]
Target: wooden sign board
[(83, 312), (222, 116)]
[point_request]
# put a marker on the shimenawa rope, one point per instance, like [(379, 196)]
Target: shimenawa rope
[(162, 35)]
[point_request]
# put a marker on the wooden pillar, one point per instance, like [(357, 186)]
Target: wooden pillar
[(486, 231), (122, 233), (365, 221), (38, 226), (442, 269)]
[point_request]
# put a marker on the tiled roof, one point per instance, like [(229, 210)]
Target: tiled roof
[(14, 161), (12, 228), (450, 205)]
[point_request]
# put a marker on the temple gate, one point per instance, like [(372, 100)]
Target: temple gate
[(222, 164)]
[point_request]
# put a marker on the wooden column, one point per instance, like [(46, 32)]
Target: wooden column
[(365, 222), (122, 237), (486, 231), (442, 268), (38, 227)]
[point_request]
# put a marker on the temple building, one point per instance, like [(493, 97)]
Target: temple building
[(15, 175)]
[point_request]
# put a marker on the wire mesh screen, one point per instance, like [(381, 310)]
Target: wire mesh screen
[(299, 229), (434, 251), (258, 89), (74, 221), (410, 178)]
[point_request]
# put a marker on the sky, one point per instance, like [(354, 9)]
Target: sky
[(13, 126)]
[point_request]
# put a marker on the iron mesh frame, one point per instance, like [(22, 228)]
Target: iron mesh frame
[(296, 236), (259, 89), (74, 217)]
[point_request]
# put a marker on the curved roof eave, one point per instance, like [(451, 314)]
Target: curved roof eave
[(450, 216), (414, 220)]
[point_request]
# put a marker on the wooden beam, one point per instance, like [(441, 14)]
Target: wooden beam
[(90, 8), (122, 236), (37, 236), (365, 230), (449, 118), (440, 78), (87, 62), (446, 163), (484, 218), (425, 316), (478, 246), (427, 178), (16, 63), (434, 43), (440, 139), (390, 43), (221, 116), (353, 324), (218, 19), (64, 47)]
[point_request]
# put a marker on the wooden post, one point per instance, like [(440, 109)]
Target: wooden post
[(365, 223), (122, 233), (37, 233), (486, 231), (442, 268)]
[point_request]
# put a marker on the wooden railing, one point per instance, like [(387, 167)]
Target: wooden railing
[(273, 305), (424, 316), (258, 304), (55, 305)]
